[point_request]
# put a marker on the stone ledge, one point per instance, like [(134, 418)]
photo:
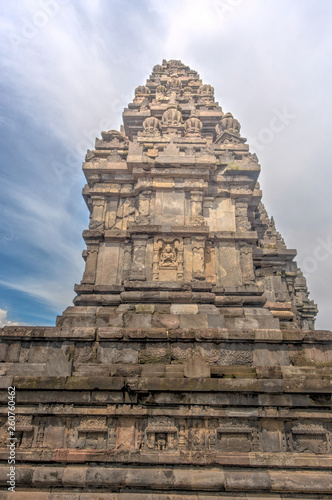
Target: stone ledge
[(210, 479), (175, 384), (254, 460), (35, 382), (130, 495), (113, 410), (90, 383), (313, 401), (47, 333), (85, 334)]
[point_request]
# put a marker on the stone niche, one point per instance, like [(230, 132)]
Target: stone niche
[(92, 433), (168, 259), (24, 431), (239, 437), (161, 436), (308, 438)]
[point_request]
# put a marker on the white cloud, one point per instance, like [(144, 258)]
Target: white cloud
[(78, 71), (4, 321)]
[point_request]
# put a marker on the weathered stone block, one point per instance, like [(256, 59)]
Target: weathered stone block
[(196, 367), (184, 309), (247, 481), (110, 333), (215, 321), (270, 354), (88, 383), (113, 353), (6, 382), (110, 397), (141, 320), (155, 353), (45, 477), (169, 321), (13, 352), (74, 476), (106, 477), (39, 382), (193, 321), (301, 482), (212, 480)]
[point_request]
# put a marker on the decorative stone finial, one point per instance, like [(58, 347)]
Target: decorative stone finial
[(172, 116), (206, 90), (142, 90), (151, 125), (229, 123)]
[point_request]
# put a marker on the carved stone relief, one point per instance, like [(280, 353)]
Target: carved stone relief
[(97, 215), (89, 275), (247, 265), (308, 438), (161, 434), (168, 259), (143, 208), (233, 435), (127, 256), (138, 268), (196, 208), (198, 248), (92, 433)]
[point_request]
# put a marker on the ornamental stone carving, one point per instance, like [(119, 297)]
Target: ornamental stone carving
[(193, 126), (174, 83), (151, 126), (138, 269), (168, 259), (206, 90), (228, 123), (198, 248), (172, 117), (142, 91)]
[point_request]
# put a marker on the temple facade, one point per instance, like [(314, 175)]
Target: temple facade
[(188, 367)]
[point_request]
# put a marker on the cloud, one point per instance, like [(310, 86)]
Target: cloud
[(4, 321), (77, 71)]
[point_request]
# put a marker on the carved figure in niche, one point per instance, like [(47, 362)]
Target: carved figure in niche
[(168, 259), (168, 256), (160, 441), (140, 439)]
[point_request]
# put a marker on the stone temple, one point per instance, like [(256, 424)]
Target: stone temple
[(188, 367)]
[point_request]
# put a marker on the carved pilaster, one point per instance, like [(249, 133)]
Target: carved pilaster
[(143, 208), (198, 247), (127, 258), (182, 434), (196, 208), (138, 270), (247, 264), (97, 215), (241, 215), (89, 275), (210, 262)]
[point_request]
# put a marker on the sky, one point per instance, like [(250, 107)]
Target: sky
[(69, 68)]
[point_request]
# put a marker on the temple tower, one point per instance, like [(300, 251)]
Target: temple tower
[(188, 367)]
